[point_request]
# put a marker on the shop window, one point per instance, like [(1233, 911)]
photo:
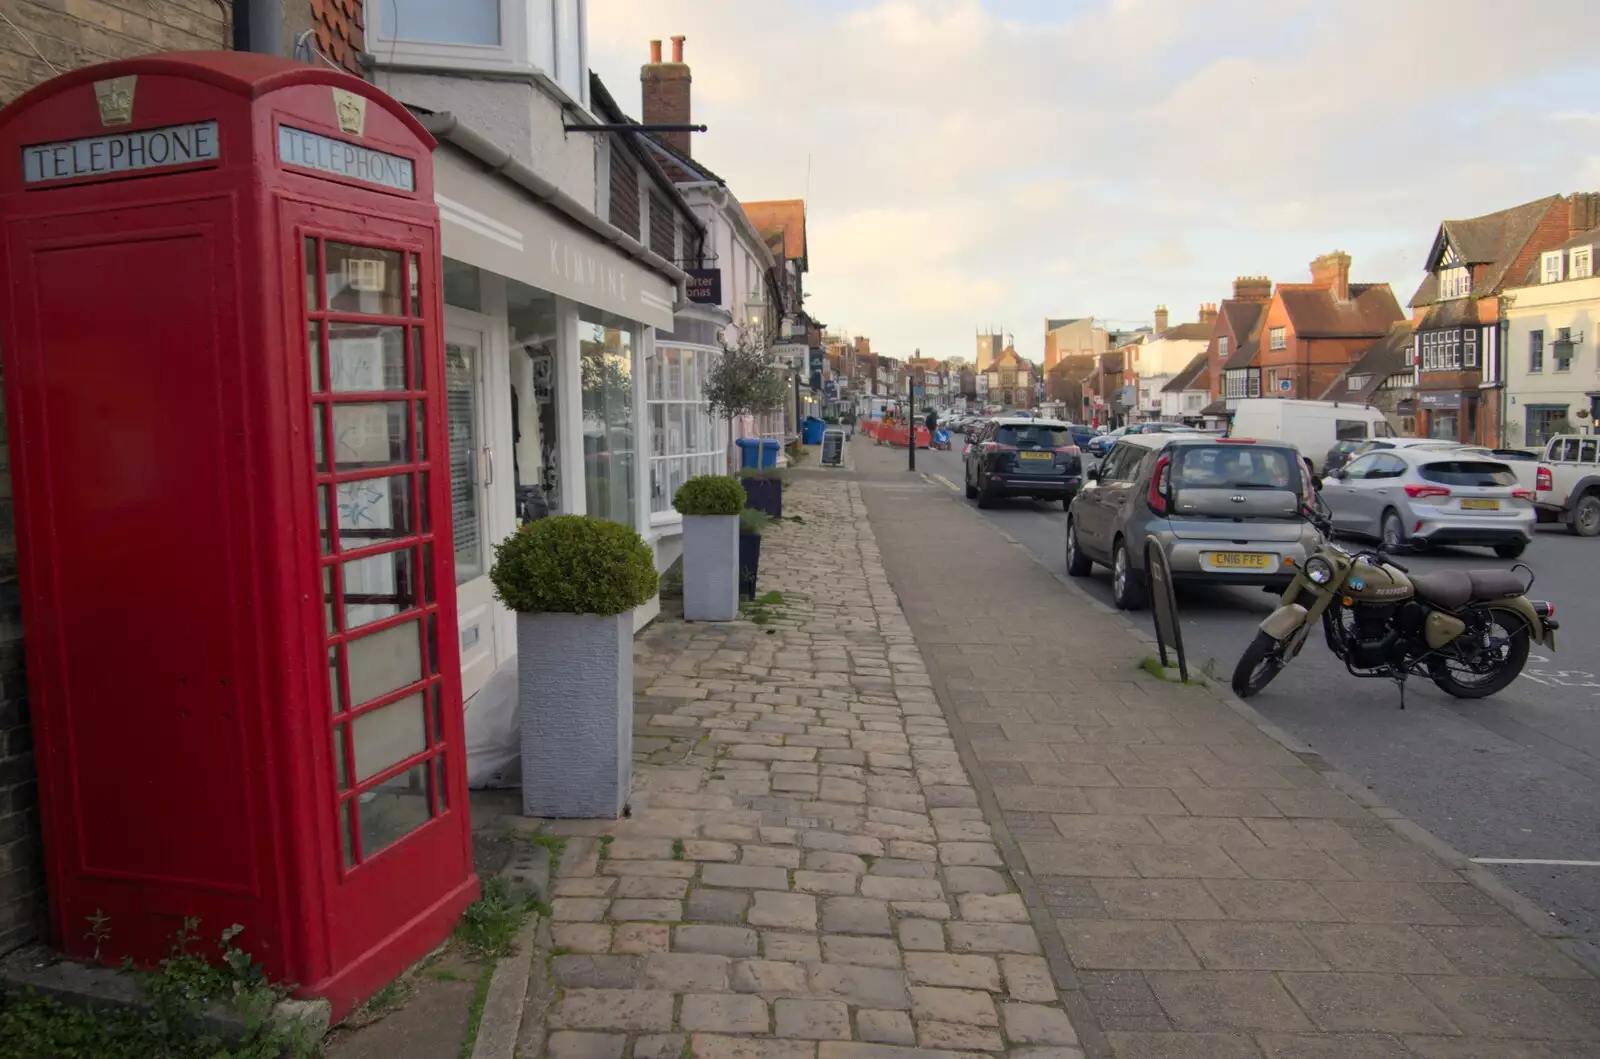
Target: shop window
[(1443, 426), (1545, 421), (531, 318), (685, 438), (605, 346), (466, 498)]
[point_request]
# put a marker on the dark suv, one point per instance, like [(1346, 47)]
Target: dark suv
[(1023, 457)]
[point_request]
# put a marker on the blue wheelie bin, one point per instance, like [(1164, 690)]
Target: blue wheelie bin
[(813, 428)]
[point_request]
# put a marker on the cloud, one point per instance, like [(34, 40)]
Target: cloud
[(972, 162)]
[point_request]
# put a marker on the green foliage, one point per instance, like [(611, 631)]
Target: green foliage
[(762, 473), (753, 521), (710, 494), (169, 1024), (745, 380), (490, 924), (573, 564)]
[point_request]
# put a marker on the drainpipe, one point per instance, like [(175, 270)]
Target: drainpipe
[(258, 26)]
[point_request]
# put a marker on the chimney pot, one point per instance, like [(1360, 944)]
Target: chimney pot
[(655, 51), (677, 48), (666, 90)]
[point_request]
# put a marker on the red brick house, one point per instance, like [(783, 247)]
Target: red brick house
[(1231, 352), (1311, 332), (1456, 350)]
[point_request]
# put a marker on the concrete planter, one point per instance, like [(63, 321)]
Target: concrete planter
[(575, 702), (710, 567)]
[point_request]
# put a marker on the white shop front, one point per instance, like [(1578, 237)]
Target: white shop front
[(549, 324)]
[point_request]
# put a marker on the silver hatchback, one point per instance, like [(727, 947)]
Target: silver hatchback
[(1419, 497), (1227, 511)]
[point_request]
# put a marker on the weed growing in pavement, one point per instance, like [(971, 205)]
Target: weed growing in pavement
[(555, 845), (169, 1025), (99, 932), (1169, 674), (490, 924), (475, 1013), (678, 849), (605, 846)]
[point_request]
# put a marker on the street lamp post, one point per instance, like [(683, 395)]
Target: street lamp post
[(911, 419)]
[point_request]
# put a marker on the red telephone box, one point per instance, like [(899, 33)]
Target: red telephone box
[(224, 385)]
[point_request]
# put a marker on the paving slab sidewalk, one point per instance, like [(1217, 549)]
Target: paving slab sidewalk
[(1200, 890), (806, 873)]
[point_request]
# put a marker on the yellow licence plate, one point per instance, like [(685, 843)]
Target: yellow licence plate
[(1037, 455), (1241, 560), (1480, 505)]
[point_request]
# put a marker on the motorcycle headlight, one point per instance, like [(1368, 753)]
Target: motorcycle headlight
[(1319, 571)]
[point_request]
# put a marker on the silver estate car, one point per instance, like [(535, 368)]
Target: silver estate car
[(1228, 512), (1418, 497)]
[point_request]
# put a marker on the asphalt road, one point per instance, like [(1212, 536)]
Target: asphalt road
[(1515, 776)]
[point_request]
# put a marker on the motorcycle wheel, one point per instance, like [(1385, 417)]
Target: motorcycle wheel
[(1260, 664), (1476, 678)]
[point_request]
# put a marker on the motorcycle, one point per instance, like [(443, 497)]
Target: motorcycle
[(1467, 631)]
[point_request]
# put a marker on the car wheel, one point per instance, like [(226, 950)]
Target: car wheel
[(1394, 532), (1127, 587), (1511, 551), (985, 498), (1078, 564), (1586, 516)]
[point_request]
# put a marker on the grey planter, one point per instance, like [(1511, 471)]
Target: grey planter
[(575, 702), (711, 567)]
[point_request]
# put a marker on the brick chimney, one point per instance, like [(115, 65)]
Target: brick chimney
[(1332, 272), (1252, 289), (1208, 313), (666, 94), (1161, 320), (1583, 212)]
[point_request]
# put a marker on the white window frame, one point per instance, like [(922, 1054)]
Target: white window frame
[(1455, 282), (1278, 338), (1357, 382), (712, 452), (1253, 380), (1582, 262), (1222, 346), (516, 51), (1553, 270)]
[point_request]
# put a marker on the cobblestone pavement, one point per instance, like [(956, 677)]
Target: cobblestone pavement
[(806, 873), (1200, 891)]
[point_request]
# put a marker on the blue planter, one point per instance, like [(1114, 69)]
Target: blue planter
[(765, 494)]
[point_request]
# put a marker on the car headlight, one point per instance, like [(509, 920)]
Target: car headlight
[(1319, 571)]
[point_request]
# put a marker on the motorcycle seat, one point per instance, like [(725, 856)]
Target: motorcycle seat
[(1457, 588)]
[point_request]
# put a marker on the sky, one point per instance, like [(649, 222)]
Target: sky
[(970, 164)]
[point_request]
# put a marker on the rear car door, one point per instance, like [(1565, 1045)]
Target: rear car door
[(1377, 491), (1339, 493), (1122, 491)]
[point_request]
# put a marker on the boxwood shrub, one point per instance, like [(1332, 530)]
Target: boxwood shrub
[(710, 494), (573, 564)]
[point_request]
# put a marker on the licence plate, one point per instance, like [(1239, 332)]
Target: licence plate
[(1480, 505), (1241, 560), (1037, 455)]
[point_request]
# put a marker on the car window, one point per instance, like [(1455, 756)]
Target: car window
[(1586, 455), (1514, 454), (1120, 464), (1236, 467), (1467, 472), (1569, 450), (1033, 436), (1361, 465), (1349, 429), (1387, 465)]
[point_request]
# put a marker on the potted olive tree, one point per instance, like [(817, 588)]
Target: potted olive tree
[(710, 506), (745, 381), (764, 487), (573, 581)]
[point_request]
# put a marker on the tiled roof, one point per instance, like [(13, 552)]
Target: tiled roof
[(1532, 275), (785, 215), (1453, 313), (1495, 239), (1316, 313), (1386, 357), (1196, 332), (1215, 408), (1242, 316), (1249, 345), (679, 167), (1186, 377)]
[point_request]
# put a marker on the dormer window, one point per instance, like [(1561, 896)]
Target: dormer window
[(1581, 264), (1455, 282), (1553, 270)]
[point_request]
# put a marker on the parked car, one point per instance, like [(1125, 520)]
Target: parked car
[(1101, 443), (1013, 456), (1339, 455), (1310, 426), (1568, 484), (1227, 511), (1417, 497)]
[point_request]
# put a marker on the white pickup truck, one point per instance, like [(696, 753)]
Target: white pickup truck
[(1568, 485)]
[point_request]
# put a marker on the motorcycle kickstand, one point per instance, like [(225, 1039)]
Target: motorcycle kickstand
[(1400, 682)]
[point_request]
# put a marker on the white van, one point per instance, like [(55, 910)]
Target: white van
[(1313, 427)]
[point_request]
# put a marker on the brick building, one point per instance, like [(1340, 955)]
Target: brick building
[(1231, 351), (1457, 349)]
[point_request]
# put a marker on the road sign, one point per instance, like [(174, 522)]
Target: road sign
[(919, 391)]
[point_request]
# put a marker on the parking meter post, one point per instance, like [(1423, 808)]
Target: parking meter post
[(911, 422)]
